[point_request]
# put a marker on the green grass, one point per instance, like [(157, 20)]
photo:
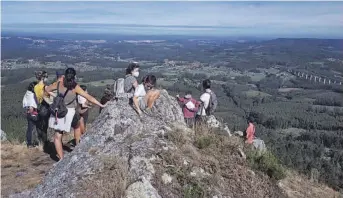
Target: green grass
[(267, 163)]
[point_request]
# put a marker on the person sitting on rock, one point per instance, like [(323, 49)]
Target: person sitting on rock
[(145, 95), (189, 108), (130, 82), (68, 89)]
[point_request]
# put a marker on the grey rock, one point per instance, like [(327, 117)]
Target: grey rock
[(259, 145), (3, 136), (166, 178), (118, 141), (241, 153), (212, 122), (239, 133)]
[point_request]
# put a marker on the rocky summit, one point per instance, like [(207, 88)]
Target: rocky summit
[(125, 155)]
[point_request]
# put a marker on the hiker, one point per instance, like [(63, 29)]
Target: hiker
[(66, 103), (43, 108), (189, 108), (130, 82), (84, 105), (250, 132), (50, 97), (145, 95), (30, 105), (208, 102)]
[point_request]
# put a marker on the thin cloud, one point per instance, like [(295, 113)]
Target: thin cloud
[(276, 17)]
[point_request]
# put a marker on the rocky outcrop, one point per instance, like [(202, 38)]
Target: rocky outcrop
[(119, 143), (124, 155)]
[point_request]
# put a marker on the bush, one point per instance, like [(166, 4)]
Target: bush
[(203, 142), (193, 190), (267, 163)]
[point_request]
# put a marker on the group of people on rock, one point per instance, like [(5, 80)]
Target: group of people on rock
[(42, 103), (39, 100)]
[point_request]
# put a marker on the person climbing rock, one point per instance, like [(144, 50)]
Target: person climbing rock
[(68, 89), (30, 106), (145, 95), (43, 108), (250, 132), (189, 108), (130, 82)]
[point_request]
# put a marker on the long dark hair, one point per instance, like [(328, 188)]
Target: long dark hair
[(131, 67), (69, 79), (149, 81)]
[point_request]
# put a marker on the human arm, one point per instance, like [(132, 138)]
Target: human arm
[(135, 84), (180, 99), (49, 89), (90, 98), (136, 103)]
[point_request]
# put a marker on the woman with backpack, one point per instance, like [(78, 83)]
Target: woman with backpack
[(208, 103), (130, 82), (189, 108), (63, 110)]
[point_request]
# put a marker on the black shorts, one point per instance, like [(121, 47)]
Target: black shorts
[(85, 117), (76, 120)]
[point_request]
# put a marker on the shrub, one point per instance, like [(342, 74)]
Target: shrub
[(203, 142), (267, 163), (193, 190)]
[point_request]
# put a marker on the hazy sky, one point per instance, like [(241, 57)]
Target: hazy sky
[(319, 19)]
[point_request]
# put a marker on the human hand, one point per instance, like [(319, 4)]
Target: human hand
[(103, 105)]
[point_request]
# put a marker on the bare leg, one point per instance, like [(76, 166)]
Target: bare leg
[(77, 134), (82, 126), (151, 97), (58, 144)]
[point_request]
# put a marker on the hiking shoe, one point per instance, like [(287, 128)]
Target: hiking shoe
[(31, 146), (148, 111)]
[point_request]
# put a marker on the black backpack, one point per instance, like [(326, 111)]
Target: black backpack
[(58, 107)]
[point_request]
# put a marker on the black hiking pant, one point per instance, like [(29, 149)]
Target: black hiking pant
[(43, 123), (30, 126)]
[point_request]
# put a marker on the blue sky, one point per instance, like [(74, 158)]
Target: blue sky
[(290, 19)]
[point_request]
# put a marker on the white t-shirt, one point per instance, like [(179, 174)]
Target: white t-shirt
[(140, 91), (81, 99), (205, 98), (190, 105)]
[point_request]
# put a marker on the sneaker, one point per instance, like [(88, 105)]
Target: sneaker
[(31, 146), (148, 111)]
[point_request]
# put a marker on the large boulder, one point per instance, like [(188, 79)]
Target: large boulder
[(114, 156)]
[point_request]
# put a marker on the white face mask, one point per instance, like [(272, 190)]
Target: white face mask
[(135, 74), (45, 80)]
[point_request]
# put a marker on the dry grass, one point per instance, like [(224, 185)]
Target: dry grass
[(296, 185), (22, 168), (109, 182), (218, 167)]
